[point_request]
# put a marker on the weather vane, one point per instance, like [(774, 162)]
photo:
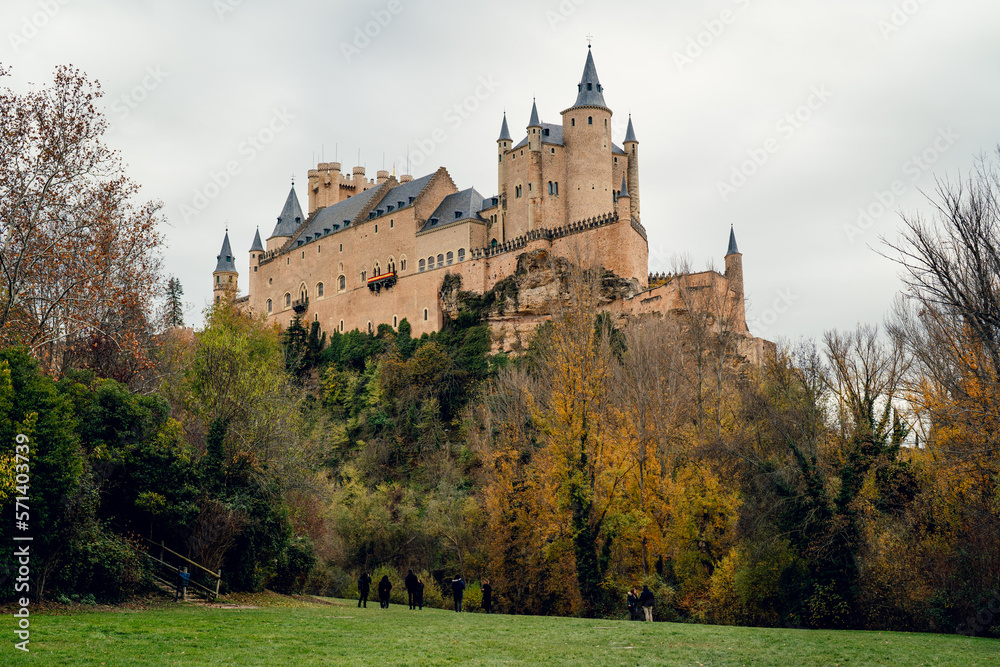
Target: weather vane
[(293, 180), (590, 40)]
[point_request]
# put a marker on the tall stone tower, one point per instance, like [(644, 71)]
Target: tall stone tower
[(587, 136), (225, 275), (504, 144), (632, 150)]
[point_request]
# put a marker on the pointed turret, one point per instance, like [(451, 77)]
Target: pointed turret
[(224, 277), (533, 121), (504, 132), (227, 262), (289, 220), (733, 249), (624, 189), (590, 92), (734, 273), (632, 150), (291, 216), (630, 133), (257, 246)]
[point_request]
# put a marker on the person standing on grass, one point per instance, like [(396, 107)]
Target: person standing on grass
[(418, 595), (411, 585), (632, 602), (487, 596), (646, 600), (384, 587), (364, 585), (457, 591)]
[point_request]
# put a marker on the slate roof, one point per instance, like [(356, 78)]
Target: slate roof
[(533, 121), (332, 219), (291, 216), (732, 243), (257, 245), (554, 136), (504, 132), (624, 190), (455, 208), (630, 133), (591, 93), (226, 260)]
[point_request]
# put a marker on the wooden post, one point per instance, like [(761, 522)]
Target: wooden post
[(217, 582)]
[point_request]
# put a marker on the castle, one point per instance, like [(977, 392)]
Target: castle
[(377, 251)]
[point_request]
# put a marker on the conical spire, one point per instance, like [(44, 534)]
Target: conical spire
[(733, 250), (226, 260), (504, 132), (591, 93), (630, 133), (534, 122), (257, 245), (624, 190), (291, 216)]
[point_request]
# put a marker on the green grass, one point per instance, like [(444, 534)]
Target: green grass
[(345, 635)]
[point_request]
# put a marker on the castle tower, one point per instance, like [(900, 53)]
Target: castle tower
[(504, 144), (256, 253), (734, 273), (624, 201), (289, 220), (534, 171), (587, 137), (632, 149), (225, 276)]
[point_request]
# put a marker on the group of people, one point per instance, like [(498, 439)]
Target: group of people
[(415, 591), (640, 605)]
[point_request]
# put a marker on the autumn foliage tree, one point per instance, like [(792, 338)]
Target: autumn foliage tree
[(79, 263)]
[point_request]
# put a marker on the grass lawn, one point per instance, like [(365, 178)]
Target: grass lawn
[(188, 634)]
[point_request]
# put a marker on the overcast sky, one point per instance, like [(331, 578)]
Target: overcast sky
[(783, 118)]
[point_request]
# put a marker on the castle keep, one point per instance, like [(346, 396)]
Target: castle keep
[(373, 251)]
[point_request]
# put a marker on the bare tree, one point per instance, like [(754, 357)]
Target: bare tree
[(76, 254)]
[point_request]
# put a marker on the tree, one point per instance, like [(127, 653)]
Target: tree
[(77, 255), (175, 307)]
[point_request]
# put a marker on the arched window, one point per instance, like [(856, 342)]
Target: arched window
[(440, 261), (288, 300), (590, 120), (342, 283), (341, 326), (376, 270), (556, 187), (402, 264), (461, 254), (494, 243), (421, 267), (572, 122), (270, 305), (303, 293), (394, 322), (319, 289), (450, 258), (425, 314), (364, 277), (430, 263), (550, 188)]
